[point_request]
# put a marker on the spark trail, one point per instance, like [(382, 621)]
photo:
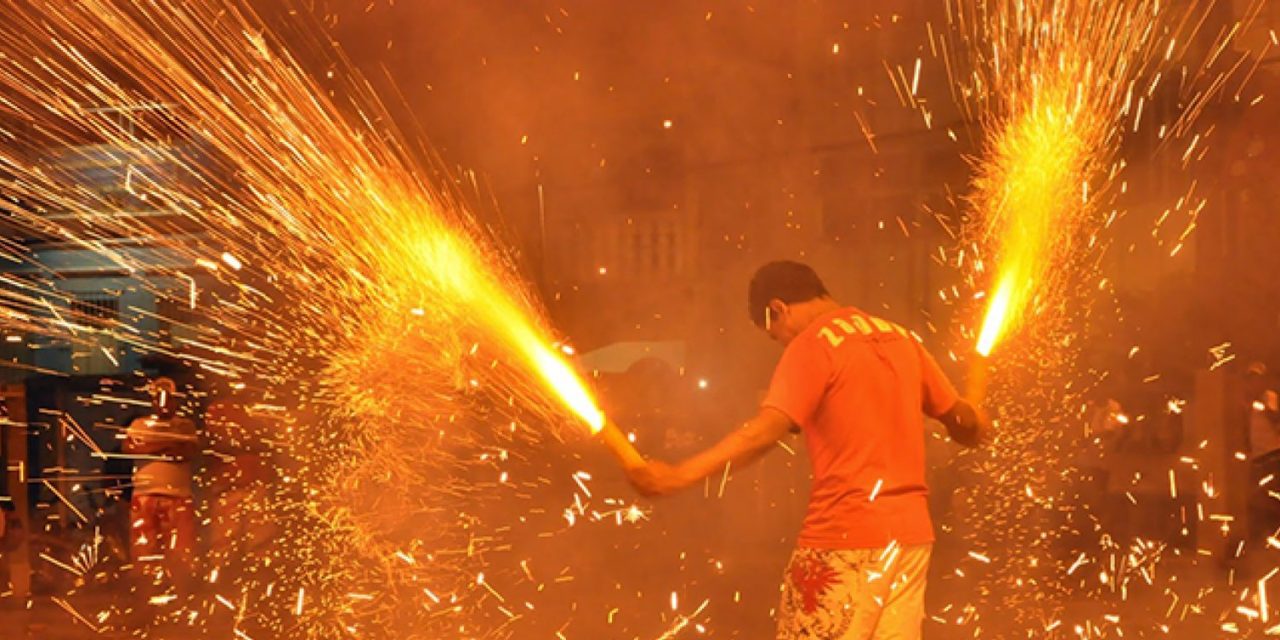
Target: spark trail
[(1056, 80), (1056, 87), (329, 271)]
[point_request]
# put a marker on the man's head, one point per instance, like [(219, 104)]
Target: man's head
[(784, 297), (1255, 380), (164, 403)]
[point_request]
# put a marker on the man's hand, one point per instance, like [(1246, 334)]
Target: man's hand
[(656, 479), (967, 424)]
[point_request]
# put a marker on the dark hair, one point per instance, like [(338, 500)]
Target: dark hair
[(785, 280)]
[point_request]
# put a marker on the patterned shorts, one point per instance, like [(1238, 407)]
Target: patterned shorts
[(854, 594)]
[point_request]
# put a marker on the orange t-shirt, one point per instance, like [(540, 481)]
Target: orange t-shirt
[(858, 386)]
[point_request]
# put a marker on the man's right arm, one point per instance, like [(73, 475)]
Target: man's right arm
[(741, 447)]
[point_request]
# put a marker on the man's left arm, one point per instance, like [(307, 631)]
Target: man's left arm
[(740, 448), (796, 390)]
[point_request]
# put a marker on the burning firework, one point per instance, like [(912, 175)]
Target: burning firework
[(1056, 85), (302, 229), (1056, 80)]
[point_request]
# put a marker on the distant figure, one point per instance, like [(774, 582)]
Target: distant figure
[(1264, 453), (1264, 435), (241, 470), (161, 511), (858, 387), (1107, 423), (6, 498)]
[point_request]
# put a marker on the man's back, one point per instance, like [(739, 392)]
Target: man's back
[(857, 385)]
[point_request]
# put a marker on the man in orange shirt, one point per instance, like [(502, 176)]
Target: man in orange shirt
[(857, 386), (162, 514)]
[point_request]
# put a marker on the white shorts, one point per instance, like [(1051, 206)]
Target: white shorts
[(854, 594)]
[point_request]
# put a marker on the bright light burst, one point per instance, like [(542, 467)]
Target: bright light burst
[(1056, 86), (1030, 188), (305, 235), (472, 284), (1056, 78)]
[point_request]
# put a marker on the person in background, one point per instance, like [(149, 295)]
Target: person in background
[(161, 511), (1097, 457), (1264, 453), (6, 498), (241, 430), (858, 387)]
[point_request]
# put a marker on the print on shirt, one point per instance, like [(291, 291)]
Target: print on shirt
[(838, 328)]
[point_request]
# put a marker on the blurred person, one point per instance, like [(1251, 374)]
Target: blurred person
[(1264, 456), (117, 490), (161, 511), (6, 498), (1260, 398), (10, 524), (1107, 418), (240, 470), (857, 386), (1097, 458)]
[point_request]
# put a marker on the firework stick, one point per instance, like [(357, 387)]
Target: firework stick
[(622, 449), (976, 383)]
